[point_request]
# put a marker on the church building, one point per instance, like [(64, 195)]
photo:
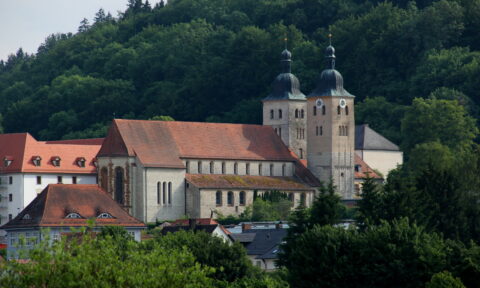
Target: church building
[(168, 169)]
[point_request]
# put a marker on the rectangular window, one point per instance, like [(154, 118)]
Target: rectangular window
[(59, 179), (247, 168), (10, 180), (74, 179), (10, 197), (223, 167), (10, 217), (39, 180), (187, 166)]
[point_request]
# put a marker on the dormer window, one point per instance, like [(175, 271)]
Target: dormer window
[(26, 217), (56, 161), (37, 160), (80, 162), (358, 168), (7, 161), (73, 215), (105, 215)]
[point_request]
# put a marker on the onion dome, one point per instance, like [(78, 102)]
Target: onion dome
[(330, 82), (286, 85)]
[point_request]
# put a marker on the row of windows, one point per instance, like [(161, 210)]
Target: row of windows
[(272, 114), (164, 193), (339, 110), (298, 113), (230, 198), (319, 130), (343, 130), (235, 168), (300, 133)]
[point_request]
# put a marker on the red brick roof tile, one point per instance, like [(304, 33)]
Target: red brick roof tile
[(56, 201), (364, 169)]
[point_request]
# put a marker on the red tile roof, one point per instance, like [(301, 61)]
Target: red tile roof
[(22, 147), (200, 221), (364, 169), (217, 181), (56, 201), (164, 143)]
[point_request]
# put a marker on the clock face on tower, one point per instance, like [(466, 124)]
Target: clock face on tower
[(319, 103), (342, 103)]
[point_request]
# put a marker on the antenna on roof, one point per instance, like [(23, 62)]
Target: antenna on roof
[(285, 39)]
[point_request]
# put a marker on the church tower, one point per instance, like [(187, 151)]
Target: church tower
[(331, 130), (285, 108)]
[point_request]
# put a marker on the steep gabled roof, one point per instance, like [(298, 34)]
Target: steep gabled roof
[(51, 207), (264, 241), (21, 148), (164, 143), (367, 139), (364, 170)]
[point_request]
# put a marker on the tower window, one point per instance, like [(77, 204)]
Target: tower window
[(272, 114), (324, 110), (296, 113), (212, 167), (280, 114), (314, 110), (321, 130), (316, 130), (223, 167), (118, 185), (346, 110), (302, 114), (235, 168), (218, 198), (271, 169), (260, 169), (338, 110)]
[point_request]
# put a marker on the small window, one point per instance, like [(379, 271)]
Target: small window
[(223, 168), (338, 110), (56, 161), (280, 114), (164, 193), (271, 169), (59, 179), (10, 217), (10, 180), (74, 179), (324, 110), (218, 198), (159, 187), (272, 114), (235, 168), (321, 130), (260, 169), (346, 110), (314, 110), (7, 161), (105, 215), (284, 170), (242, 198), (230, 198), (187, 166), (247, 168), (81, 162), (199, 168), (73, 215), (296, 113), (358, 168), (302, 114), (10, 197), (169, 193), (39, 180), (301, 153), (303, 200), (316, 130), (37, 160), (212, 167)]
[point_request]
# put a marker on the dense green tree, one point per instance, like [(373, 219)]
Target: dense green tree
[(444, 280)]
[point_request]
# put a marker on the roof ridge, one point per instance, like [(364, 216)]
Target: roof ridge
[(190, 122)]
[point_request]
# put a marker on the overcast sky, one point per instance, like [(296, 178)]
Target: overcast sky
[(26, 23)]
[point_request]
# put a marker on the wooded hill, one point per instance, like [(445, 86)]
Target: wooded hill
[(213, 60)]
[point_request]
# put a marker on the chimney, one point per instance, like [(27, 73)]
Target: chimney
[(246, 226), (192, 223), (278, 226)]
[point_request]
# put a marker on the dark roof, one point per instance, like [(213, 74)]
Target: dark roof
[(367, 139), (245, 182), (243, 237), (164, 143), (207, 228), (56, 201), (271, 254), (265, 240)]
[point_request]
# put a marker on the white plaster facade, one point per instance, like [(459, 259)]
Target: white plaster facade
[(382, 160)]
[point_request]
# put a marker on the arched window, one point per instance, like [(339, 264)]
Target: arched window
[(260, 168), (271, 169), (346, 110), (314, 110), (338, 110), (187, 166), (169, 193), (230, 198), (159, 187), (235, 168), (280, 114), (242, 198), (302, 114), (296, 113), (218, 198), (199, 168), (324, 110), (212, 167), (164, 193), (272, 114), (119, 185), (73, 215), (300, 151), (284, 170), (247, 168), (223, 167), (303, 200), (104, 178)]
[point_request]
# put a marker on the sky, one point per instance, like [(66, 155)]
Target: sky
[(26, 23)]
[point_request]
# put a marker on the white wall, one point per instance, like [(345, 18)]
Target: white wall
[(242, 167), (381, 160)]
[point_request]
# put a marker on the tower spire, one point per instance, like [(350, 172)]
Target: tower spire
[(286, 58), (330, 54)]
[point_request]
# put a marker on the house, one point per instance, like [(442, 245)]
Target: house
[(207, 225), (61, 207), (28, 166)]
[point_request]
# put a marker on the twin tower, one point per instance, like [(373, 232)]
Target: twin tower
[(319, 127)]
